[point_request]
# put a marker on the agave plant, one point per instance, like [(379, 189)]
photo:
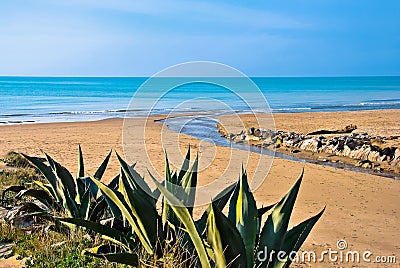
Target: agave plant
[(237, 239), (215, 240), (135, 203), (76, 197)]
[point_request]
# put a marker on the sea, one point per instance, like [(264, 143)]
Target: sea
[(27, 100)]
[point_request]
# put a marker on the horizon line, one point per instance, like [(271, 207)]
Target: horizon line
[(257, 76)]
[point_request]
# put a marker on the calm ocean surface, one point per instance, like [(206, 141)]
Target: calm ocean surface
[(59, 99)]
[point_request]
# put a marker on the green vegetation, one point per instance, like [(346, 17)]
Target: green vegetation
[(60, 192), (123, 222), (52, 249)]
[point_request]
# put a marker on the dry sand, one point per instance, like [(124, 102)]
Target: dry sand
[(363, 209)]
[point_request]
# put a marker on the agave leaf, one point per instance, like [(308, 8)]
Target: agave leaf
[(96, 212), (183, 214), (100, 229), (189, 183), (119, 201), (82, 185), (63, 175), (102, 168), (98, 175), (12, 188), (145, 212), (45, 170), (81, 166), (84, 206), (69, 204), (167, 212), (46, 187), (157, 193), (40, 195), (296, 236), (185, 166), (137, 182), (214, 239), (219, 201), (30, 208), (244, 214), (263, 210), (274, 230), (225, 240), (115, 211), (113, 184), (119, 257)]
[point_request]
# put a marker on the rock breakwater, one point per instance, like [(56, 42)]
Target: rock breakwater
[(369, 151)]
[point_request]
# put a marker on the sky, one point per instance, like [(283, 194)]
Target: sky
[(140, 38)]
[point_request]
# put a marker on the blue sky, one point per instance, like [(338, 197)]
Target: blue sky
[(260, 38)]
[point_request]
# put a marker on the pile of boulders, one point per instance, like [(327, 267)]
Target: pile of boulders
[(353, 145)]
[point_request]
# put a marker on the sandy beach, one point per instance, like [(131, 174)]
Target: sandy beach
[(362, 209)]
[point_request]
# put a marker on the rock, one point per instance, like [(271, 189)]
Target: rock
[(347, 129), (361, 153), (346, 150), (354, 144), (374, 156), (358, 146), (250, 131), (257, 133), (364, 164), (310, 145), (222, 130), (339, 146), (328, 149), (388, 151), (396, 158), (251, 138), (379, 169)]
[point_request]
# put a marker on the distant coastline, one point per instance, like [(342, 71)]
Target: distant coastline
[(71, 99)]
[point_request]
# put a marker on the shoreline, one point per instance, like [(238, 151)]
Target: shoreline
[(216, 113), (320, 158)]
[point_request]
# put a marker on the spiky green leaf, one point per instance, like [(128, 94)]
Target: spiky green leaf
[(225, 240), (101, 229), (184, 167), (243, 213), (104, 252), (40, 195), (45, 170), (145, 212), (136, 181), (119, 201), (296, 236), (274, 230), (189, 184), (183, 214), (220, 201), (81, 166)]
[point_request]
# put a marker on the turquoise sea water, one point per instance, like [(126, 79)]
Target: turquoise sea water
[(61, 99)]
